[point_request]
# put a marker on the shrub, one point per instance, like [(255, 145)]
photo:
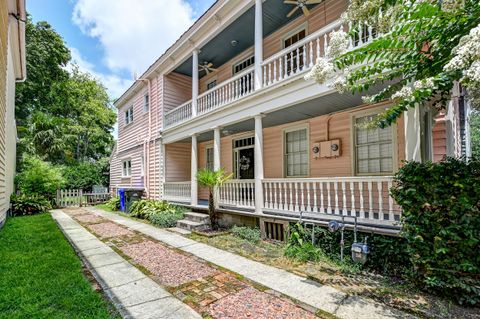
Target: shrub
[(29, 205), (39, 178), (82, 175), (248, 233), (113, 203), (160, 213), (298, 247), (441, 222)]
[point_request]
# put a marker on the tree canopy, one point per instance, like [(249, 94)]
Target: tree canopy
[(422, 49), (64, 116)]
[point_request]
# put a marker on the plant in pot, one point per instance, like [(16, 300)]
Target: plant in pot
[(212, 180)]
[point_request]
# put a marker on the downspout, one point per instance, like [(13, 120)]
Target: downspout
[(20, 18), (146, 142)]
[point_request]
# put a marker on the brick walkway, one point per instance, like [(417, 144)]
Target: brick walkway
[(211, 291)]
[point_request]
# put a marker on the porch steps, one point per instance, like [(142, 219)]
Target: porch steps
[(193, 221)]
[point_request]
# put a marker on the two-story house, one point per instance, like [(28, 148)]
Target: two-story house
[(231, 93)]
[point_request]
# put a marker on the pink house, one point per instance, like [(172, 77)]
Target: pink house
[(231, 93)]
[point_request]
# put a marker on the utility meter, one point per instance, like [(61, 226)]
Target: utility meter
[(360, 252)]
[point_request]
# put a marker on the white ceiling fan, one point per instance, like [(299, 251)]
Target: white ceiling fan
[(301, 4), (207, 67)]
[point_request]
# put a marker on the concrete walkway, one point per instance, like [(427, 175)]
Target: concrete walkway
[(133, 293), (322, 297)]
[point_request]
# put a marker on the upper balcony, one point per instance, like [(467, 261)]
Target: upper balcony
[(289, 48)]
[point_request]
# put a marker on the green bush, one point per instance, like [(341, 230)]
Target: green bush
[(39, 178), (160, 213), (24, 204), (113, 203), (248, 233), (83, 175), (298, 247), (441, 222)]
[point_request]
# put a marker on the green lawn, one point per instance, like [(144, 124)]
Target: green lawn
[(41, 276)]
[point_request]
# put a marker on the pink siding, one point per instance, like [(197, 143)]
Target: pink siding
[(439, 138), (177, 89), (178, 158)]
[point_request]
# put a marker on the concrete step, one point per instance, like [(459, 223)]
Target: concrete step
[(191, 225), (197, 217), (179, 230)]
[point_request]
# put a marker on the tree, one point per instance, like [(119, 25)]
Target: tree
[(424, 47), (212, 180), (475, 134)]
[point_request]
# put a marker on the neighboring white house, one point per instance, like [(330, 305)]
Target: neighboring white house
[(12, 70)]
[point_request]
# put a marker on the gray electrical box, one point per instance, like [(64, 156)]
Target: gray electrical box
[(360, 252)]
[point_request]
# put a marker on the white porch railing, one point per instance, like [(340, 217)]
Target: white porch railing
[(239, 192), (229, 91), (363, 197), (301, 56), (294, 60), (177, 191), (178, 114)]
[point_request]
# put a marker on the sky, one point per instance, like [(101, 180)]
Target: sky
[(113, 39)]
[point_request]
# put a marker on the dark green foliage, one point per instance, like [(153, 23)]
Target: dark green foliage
[(475, 133), (248, 233), (39, 178), (42, 276), (299, 247), (160, 213), (113, 203), (441, 223), (83, 175), (29, 205)]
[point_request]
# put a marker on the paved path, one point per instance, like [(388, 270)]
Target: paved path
[(322, 297), (133, 293)]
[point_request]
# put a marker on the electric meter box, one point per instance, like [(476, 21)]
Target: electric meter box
[(360, 252)]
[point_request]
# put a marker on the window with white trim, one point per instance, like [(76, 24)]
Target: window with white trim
[(296, 153), (242, 65), (127, 168), (129, 115), (142, 163), (146, 103), (295, 59), (373, 148), (211, 84), (209, 160)]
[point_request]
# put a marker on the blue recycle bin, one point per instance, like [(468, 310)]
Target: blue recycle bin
[(121, 193)]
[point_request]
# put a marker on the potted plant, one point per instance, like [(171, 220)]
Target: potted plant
[(212, 180)]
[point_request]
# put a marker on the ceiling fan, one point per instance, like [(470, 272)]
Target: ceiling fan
[(207, 67), (301, 4)]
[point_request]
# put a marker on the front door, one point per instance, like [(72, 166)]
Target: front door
[(245, 163)]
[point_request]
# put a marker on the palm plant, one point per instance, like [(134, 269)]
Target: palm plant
[(212, 180)]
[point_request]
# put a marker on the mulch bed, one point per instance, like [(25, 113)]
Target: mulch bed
[(251, 303), (171, 268)]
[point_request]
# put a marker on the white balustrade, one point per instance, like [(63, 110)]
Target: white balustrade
[(226, 92), (363, 197), (238, 192), (178, 115), (177, 191)]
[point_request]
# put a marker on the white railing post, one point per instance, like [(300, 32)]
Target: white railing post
[(194, 187), (258, 44), (194, 82), (258, 152)]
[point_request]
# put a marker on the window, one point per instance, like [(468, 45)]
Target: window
[(129, 115), (211, 84), (127, 168), (296, 153), (142, 168), (242, 65), (373, 148), (146, 103), (294, 61), (209, 162)]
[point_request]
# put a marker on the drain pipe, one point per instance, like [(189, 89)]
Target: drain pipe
[(146, 142)]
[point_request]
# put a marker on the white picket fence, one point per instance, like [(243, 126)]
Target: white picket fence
[(79, 198)]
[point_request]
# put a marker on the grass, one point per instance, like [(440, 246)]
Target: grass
[(41, 276), (105, 207)]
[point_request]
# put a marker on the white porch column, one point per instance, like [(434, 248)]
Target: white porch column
[(258, 43), (413, 136), (194, 186), (194, 82), (216, 148), (258, 163)]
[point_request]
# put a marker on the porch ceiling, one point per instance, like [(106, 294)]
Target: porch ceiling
[(219, 50), (330, 103)]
